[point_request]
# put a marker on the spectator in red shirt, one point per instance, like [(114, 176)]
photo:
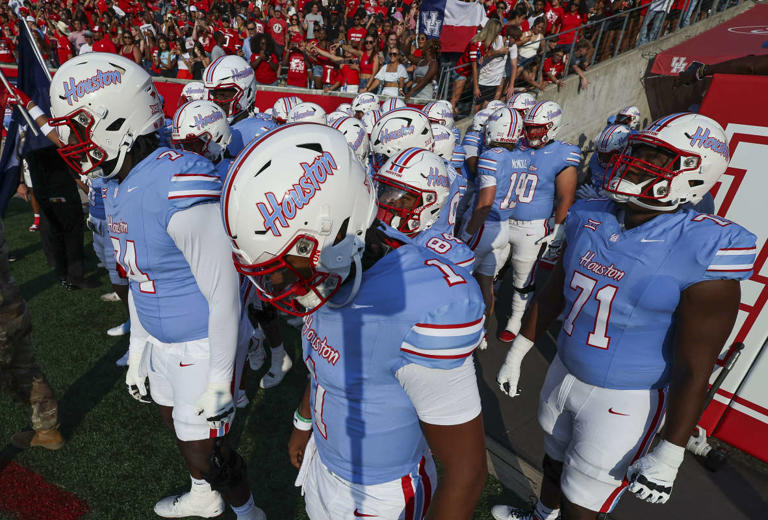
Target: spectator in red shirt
[(63, 47), (294, 30), (6, 50), (276, 28), (571, 20), (357, 32), (102, 44), (554, 14), (297, 64), (554, 66), (367, 59), (231, 38), (263, 60)]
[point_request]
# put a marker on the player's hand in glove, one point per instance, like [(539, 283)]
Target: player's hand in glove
[(509, 373), (651, 477), (587, 191), (134, 379), (553, 242), (690, 75), (18, 97), (216, 404)]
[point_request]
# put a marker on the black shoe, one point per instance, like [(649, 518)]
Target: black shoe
[(83, 283)]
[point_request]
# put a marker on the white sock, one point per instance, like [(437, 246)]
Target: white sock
[(278, 353), (243, 510), (199, 485), (542, 512)]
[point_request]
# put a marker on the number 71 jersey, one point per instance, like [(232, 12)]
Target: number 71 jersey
[(622, 287)]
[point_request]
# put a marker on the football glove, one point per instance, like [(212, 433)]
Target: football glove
[(553, 242), (651, 477), (509, 373), (18, 97), (216, 404), (134, 379)]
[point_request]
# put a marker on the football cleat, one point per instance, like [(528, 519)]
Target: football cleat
[(502, 512), (110, 297), (281, 364), (205, 504), (257, 355), (120, 330)]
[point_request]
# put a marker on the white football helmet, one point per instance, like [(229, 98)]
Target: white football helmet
[(346, 108), (355, 134), (335, 116), (201, 127), (542, 123), (192, 91), (504, 126), (282, 106), (481, 117), (495, 104), (628, 116), (370, 119), (231, 84), (364, 103), (412, 188), (611, 140), (439, 111), (400, 129), (306, 113), (677, 159), (522, 102), (391, 104), (444, 141), (296, 206), (100, 104)]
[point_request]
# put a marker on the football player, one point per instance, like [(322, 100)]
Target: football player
[(306, 112), (192, 91), (356, 136), (161, 209), (650, 292), (230, 83), (522, 102), (486, 229), (550, 182), (627, 116), (610, 141), (414, 188), (388, 333), (364, 103), (282, 106)]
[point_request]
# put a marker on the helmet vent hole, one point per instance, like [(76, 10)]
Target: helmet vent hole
[(315, 147), (342, 231), (116, 124), (266, 165)]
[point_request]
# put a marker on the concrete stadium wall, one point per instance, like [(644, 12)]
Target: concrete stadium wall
[(614, 84)]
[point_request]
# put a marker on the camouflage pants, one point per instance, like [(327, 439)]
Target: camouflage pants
[(19, 372)]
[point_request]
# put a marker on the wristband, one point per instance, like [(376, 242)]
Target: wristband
[(36, 112), (301, 423), (46, 128), (520, 347)]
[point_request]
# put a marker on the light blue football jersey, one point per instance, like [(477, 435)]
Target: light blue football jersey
[(246, 130), (168, 301), (412, 307), (97, 192), (473, 143), (622, 287), (447, 246), (535, 192), (458, 186), (515, 179), (222, 167), (164, 133), (597, 173)]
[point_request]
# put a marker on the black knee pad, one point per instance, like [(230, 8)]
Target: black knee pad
[(552, 469), (225, 467), (526, 290)]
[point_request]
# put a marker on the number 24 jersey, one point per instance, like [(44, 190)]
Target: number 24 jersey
[(622, 287)]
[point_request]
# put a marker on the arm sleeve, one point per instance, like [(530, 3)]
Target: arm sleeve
[(442, 397), (198, 234), (139, 336), (381, 73), (486, 172), (733, 257)]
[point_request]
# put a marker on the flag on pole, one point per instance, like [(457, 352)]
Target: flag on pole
[(33, 80), (455, 22)]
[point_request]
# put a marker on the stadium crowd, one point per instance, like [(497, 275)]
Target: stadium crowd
[(351, 46)]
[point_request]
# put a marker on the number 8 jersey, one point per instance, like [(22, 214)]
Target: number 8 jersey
[(622, 287)]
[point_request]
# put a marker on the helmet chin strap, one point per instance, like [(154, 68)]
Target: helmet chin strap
[(355, 284), (626, 186)]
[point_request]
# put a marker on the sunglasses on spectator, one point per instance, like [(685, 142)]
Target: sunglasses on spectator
[(394, 54), (369, 41)]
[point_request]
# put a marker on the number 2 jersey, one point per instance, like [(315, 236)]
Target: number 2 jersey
[(622, 287), (412, 307)]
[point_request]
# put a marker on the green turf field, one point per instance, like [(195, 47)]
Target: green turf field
[(119, 458)]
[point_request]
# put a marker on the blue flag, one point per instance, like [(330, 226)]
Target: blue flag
[(33, 80)]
